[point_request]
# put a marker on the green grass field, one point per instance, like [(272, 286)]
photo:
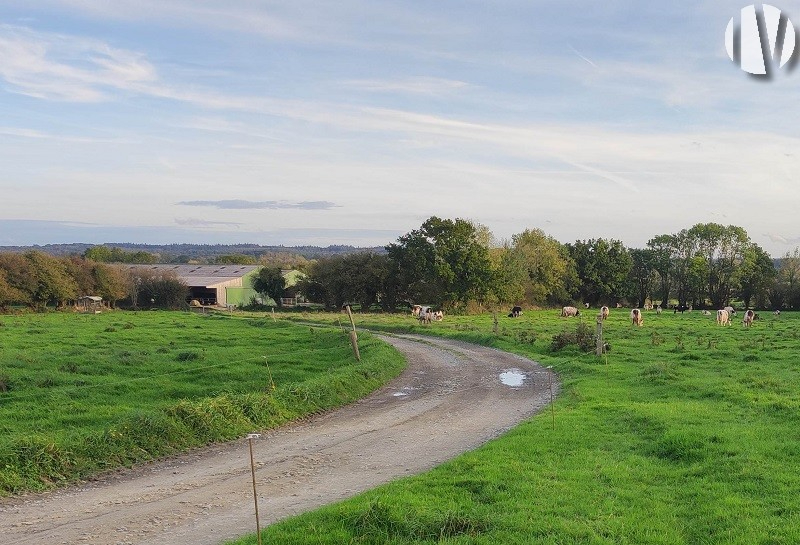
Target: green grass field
[(686, 433), (85, 393)]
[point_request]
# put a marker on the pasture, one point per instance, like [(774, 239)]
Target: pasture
[(684, 433), (84, 393)]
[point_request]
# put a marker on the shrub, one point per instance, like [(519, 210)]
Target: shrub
[(582, 337)]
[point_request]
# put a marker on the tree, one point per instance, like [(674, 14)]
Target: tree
[(603, 267), (662, 250), (539, 268), (53, 282), (270, 282), (355, 278), (442, 262), (722, 250), (755, 276), (643, 274), (112, 282), (786, 292)]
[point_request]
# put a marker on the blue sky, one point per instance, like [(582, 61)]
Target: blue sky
[(351, 122)]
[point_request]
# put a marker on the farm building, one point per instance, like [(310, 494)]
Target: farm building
[(220, 285)]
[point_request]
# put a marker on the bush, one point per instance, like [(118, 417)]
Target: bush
[(582, 337)]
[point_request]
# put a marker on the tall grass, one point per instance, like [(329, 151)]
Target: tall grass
[(684, 433), (85, 393)]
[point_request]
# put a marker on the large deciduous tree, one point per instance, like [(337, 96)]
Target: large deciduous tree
[(603, 267), (442, 262)]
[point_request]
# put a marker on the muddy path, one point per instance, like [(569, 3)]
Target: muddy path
[(450, 399)]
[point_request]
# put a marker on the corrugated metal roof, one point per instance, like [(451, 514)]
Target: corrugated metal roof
[(202, 275)]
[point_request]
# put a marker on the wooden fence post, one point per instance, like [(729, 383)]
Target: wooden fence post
[(599, 335), (353, 334)]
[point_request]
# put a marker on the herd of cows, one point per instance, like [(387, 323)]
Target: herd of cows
[(426, 314), (724, 315)]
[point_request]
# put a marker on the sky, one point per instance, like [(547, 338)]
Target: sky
[(351, 122)]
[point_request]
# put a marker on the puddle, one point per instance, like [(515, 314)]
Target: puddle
[(512, 377), (404, 392)]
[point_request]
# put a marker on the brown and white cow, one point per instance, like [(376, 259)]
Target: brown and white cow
[(570, 311), (749, 316), (723, 318), (604, 312), (636, 317)]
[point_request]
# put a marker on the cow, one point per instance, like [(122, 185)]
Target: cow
[(749, 316), (706, 313), (658, 309), (723, 318), (566, 312), (777, 312), (604, 312), (415, 310), (731, 311), (438, 316), (681, 308), (516, 312), (636, 317), (425, 315)]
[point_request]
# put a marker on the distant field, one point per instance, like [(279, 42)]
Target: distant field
[(686, 433), (82, 393)]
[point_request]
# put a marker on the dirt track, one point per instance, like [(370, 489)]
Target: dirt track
[(449, 400)]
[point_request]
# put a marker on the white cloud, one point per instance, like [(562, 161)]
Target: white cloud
[(60, 67)]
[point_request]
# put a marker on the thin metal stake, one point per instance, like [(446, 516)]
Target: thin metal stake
[(550, 380), (253, 471)]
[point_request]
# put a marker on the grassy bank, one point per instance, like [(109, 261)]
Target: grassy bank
[(686, 433), (82, 393)]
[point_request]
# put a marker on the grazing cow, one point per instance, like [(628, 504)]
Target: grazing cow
[(619, 305), (731, 311), (586, 305), (604, 312), (681, 308), (438, 316), (658, 309), (706, 313), (749, 316), (415, 310), (636, 317), (425, 315), (648, 306), (566, 312), (516, 312), (723, 318), (777, 312)]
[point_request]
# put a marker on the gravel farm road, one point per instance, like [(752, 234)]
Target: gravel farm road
[(452, 397)]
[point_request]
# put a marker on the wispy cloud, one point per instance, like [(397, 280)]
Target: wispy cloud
[(261, 205), (59, 67)]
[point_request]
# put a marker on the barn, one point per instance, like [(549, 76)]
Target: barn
[(220, 285)]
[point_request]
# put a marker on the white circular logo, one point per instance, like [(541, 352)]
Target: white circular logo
[(763, 37)]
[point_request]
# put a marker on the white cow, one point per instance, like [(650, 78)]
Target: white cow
[(570, 311), (636, 317), (731, 311), (749, 316), (723, 318), (604, 312)]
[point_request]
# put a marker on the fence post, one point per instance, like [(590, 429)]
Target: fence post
[(599, 335), (353, 334)]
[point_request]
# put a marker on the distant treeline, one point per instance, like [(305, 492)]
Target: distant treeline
[(201, 253), (452, 264), (455, 264)]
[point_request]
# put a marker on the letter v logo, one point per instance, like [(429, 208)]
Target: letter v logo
[(763, 36)]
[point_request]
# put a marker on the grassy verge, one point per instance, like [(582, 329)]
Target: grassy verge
[(686, 433), (81, 394)]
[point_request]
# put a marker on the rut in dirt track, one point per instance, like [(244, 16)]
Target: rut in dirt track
[(449, 400)]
